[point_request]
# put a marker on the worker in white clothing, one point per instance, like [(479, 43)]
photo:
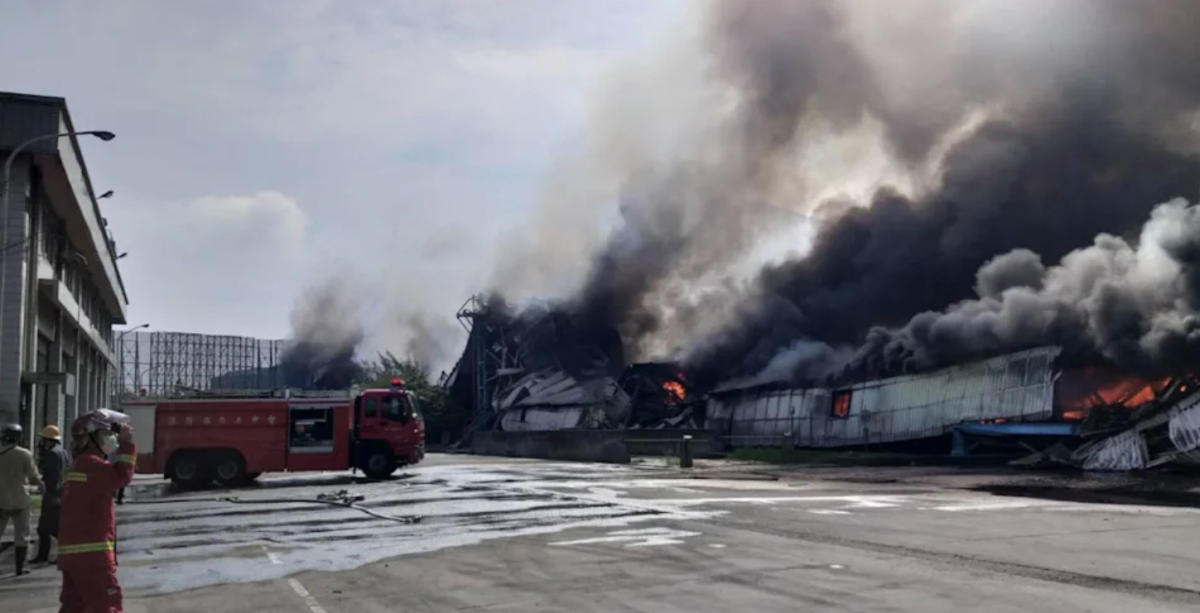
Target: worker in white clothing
[(16, 470)]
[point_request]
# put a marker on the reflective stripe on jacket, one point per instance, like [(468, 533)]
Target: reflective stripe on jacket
[(87, 525), (85, 547)]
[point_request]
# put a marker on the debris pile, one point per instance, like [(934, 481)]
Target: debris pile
[(1165, 429), (659, 397), (536, 369), (540, 369)]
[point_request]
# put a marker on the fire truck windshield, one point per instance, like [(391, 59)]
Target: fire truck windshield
[(395, 407)]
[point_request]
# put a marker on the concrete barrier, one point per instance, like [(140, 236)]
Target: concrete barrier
[(666, 443), (572, 445)]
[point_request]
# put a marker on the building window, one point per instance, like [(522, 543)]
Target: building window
[(42, 361), (841, 404)]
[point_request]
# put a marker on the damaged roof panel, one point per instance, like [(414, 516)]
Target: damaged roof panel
[(551, 399)]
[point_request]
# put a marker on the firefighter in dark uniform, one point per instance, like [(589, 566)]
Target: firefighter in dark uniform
[(53, 464), (87, 533)]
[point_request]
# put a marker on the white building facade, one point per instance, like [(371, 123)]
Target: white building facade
[(60, 290)]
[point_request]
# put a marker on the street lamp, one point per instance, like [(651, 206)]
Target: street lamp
[(104, 135), (124, 332)]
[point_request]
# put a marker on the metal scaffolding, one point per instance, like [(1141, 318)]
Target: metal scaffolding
[(164, 363)]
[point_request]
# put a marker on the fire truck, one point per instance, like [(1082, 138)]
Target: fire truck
[(232, 438)]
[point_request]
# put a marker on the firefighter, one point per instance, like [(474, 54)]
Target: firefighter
[(53, 464), (16, 468), (87, 532)]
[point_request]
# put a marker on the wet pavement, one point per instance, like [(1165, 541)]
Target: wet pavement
[(466, 533)]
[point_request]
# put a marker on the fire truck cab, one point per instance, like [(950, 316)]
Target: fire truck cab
[(232, 438)]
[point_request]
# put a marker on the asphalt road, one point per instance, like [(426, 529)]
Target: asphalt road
[(462, 533)]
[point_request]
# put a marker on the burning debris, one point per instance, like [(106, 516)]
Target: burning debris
[(1160, 429), (660, 397), (537, 370), (1095, 394)]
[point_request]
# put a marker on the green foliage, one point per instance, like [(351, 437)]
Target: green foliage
[(439, 416)]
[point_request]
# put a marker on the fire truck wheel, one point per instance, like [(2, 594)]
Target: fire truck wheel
[(380, 463), (230, 469), (188, 470)]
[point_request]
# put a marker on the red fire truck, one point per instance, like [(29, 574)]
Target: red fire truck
[(232, 438)]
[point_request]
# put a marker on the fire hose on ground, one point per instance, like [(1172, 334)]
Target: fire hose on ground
[(336, 499)]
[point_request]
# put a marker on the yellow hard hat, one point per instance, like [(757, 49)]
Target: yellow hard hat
[(52, 432)]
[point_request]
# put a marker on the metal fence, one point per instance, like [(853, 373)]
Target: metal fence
[(160, 363)]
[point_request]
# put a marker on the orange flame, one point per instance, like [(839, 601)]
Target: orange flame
[(1128, 391), (676, 392)]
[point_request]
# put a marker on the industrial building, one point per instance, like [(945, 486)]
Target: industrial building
[(536, 371), (60, 288), (1017, 387)]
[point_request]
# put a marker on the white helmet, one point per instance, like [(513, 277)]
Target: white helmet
[(96, 421)]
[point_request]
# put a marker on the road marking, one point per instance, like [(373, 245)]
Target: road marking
[(312, 603), (648, 537), (271, 556)]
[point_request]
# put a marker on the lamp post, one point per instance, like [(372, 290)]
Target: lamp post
[(121, 348), (104, 135)]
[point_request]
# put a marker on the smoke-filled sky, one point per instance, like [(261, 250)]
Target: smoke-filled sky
[(265, 146), (914, 142), (792, 188)]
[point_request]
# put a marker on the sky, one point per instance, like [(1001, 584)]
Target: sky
[(266, 147)]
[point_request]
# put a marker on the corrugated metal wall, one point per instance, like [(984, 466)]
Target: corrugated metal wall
[(1017, 387), (534, 420)]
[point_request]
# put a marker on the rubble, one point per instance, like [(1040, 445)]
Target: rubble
[(537, 369), (659, 397), (552, 399), (1164, 430)]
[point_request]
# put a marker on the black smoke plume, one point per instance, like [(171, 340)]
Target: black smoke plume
[(326, 332), (1134, 303), (1042, 124)]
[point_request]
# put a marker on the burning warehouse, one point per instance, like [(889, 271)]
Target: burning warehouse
[(1114, 421), (943, 225), (1109, 420)]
